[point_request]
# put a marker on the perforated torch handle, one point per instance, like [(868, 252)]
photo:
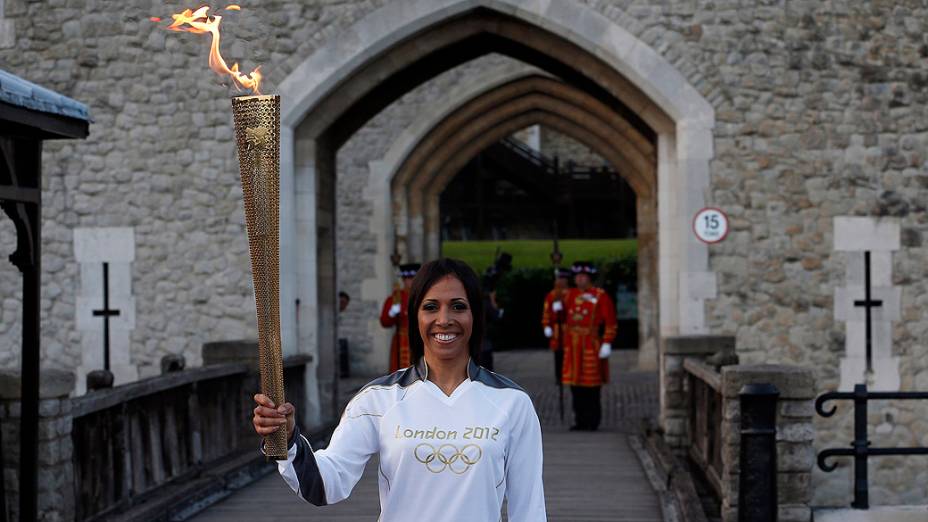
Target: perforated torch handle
[(257, 133)]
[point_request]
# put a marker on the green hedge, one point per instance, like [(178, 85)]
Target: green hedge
[(536, 253)]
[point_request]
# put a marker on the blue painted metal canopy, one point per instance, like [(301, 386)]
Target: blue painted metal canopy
[(21, 93)]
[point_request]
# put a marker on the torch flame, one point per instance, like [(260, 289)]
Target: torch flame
[(198, 22)]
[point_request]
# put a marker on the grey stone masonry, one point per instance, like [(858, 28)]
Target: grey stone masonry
[(56, 472), (243, 351), (795, 436), (814, 111)]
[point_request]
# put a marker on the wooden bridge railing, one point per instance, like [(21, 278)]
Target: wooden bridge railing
[(705, 420), (132, 441)]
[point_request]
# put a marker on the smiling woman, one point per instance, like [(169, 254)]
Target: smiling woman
[(449, 304), (454, 438)]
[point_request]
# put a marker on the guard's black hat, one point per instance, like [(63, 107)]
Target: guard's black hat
[(409, 269), (562, 272), (583, 267), (504, 261)]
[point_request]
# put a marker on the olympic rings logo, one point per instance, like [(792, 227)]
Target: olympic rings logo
[(448, 456)]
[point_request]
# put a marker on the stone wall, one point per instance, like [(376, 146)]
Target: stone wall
[(159, 158), (823, 116), (568, 150), (820, 112), (56, 473), (795, 453), (11, 283)]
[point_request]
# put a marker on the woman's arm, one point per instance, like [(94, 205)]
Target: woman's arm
[(325, 476), (524, 489)]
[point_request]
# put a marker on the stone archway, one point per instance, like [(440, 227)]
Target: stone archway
[(389, 51), (484, 120), (419, 176)]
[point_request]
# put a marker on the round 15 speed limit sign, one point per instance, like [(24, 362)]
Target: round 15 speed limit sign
[(710, 225)]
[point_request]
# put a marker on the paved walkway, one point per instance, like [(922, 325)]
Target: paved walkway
[(589, 477)]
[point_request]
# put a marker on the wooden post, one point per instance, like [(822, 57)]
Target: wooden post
[(196, 430), (138, 456), (156, 454), (172, 448), (123, 456), (25, 157), (3, 514)]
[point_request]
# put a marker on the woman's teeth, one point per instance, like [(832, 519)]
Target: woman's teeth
[(445, 338)]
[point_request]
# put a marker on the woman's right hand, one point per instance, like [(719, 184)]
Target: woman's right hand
[(269, 417)]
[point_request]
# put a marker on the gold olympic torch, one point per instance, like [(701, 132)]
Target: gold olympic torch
[(257, 133)]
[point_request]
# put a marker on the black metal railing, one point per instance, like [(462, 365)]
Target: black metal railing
[(860, 449), (531, 155)]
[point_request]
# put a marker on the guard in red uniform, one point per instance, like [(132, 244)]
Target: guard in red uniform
[(586, 353), (553, 317), (396, 315)]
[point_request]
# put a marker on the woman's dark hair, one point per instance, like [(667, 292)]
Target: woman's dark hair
[(426, 277)]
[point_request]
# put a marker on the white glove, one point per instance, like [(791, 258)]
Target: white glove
[(548, 331), (557, 306), (500, 313), (394, 310), (604, 350)]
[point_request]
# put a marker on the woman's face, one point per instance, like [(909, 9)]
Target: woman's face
[(445, 319)]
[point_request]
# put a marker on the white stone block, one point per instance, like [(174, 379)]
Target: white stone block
[(853, 372), (692, 317), (698, 285), (889, 309), (304, 180), (91, 279), (696, 145), (84, 307), (881, 339), (857, 234), (853, 268), (874, 514), (120, 348), (7, 34), (885, 375), (92, 350), (697, 254), (120, 279), (107, 244), (853, 368), (881, 267)]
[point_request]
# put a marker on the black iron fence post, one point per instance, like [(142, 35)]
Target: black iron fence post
[(344, 361), (757, 496), (3, 513), (861, 449)]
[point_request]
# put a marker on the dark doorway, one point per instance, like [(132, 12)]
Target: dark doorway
[(513, 191), (521, 194)]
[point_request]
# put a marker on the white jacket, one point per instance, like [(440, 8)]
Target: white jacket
[(441, 458)]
